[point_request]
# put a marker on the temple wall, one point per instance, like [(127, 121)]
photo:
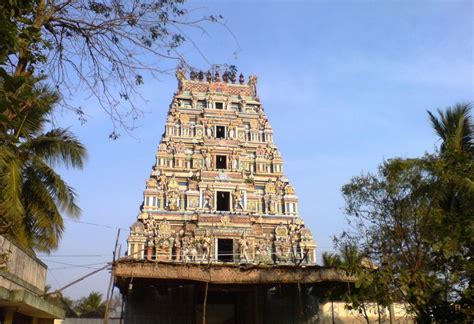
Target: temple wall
[(184, 304), (343, 315)]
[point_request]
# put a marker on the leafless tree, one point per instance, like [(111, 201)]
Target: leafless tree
[(106, 47)]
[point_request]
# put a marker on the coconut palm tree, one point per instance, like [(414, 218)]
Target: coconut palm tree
[(351, 259), (331, 260), (33, 196), (91, 306), (455, 128)]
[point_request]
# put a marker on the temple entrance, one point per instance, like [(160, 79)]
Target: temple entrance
[(220, 307), (225, 250), (223, 201)]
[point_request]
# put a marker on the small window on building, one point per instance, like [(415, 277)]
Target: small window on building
[(220, 131), (223, 201), (225, 250), (201, 104), (221, 162), (219, 105)]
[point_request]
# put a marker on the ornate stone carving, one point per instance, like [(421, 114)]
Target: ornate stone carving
[(270, 186), (207, 159), (263, 251), (289, 190), (222, 176), (193, 183), (177, 248), (269, 152), (208, 198), (137, 228), (241, 78), (281, 232), (271, 201), (238, 205), (260, 152), (244, 249), (262, 122), (206, 247), (243, 105), (253, 83), (194, 101), (225, 220), (162, 181), (209, 130), (164, 229), (172, 194), (234, 161), (232, 131), (280, 186), (180, 147), (151, 183), (4, 256), (181, 76)]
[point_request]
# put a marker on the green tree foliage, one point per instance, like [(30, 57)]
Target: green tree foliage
[(331, 260), (105, 47), (365, 292), (33, 196), (91, 306), (413, 220)]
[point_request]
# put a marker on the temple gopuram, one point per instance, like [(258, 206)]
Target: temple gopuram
[(217, 191), (219, 238)]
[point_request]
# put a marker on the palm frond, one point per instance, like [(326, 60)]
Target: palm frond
[(437, 125), (58, 147), (43, 222), (63, 195), (11, 207), (455, 128)]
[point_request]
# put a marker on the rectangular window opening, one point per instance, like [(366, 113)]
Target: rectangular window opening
[(221, 162), (225, 250), (220, 131), (223, 201), (219, 105)]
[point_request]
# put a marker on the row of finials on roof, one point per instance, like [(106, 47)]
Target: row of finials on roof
[(227, 76)]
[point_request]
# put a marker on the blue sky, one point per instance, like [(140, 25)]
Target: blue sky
[(345, 85)]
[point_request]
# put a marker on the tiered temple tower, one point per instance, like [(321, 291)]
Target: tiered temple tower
[(217, 191)]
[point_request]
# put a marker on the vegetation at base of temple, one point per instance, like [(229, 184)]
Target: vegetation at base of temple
[(105, 48), (411, 228), (33, 197), (91, 306)]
